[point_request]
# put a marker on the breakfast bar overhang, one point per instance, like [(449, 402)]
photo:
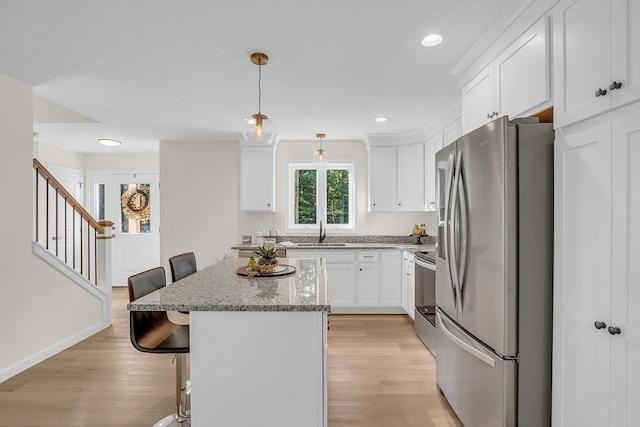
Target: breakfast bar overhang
[(258, 344)]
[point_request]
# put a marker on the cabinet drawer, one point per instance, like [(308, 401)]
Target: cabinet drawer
[(332, 255), (368, 256)]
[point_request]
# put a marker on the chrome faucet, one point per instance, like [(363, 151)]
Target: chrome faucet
[(323, 235)]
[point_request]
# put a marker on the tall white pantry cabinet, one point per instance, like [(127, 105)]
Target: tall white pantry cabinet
[(596, 343)]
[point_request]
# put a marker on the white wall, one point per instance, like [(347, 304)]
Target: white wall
[(147, 162), (367, 223), (41, 311), (48, 155), (200, 184)]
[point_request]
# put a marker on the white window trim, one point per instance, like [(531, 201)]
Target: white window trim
[(321, 197)]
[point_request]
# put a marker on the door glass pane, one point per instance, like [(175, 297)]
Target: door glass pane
[(100, 206), (305, 209), (337, 196), (135, 208)]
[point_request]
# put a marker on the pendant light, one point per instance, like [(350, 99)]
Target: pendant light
[(320, 156), (258, 128)]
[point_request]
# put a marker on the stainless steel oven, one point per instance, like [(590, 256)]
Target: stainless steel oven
[(425, 293)]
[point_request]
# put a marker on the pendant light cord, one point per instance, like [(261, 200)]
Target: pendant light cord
[(259, 85)]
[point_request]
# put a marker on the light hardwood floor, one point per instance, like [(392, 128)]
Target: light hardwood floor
[(380, 374)]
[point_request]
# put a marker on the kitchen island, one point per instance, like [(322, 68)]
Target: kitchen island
[(258, 344)]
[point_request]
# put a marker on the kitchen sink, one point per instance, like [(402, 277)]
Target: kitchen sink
[(321, 244)]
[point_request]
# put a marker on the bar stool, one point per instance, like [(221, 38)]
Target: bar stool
[(182, 265), (152, 332)]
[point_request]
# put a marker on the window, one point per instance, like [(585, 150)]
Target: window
[(321, 193), (100, 189)]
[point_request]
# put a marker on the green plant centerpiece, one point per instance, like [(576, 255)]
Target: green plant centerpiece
[(267, 261)]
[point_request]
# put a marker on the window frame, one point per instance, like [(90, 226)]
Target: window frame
[(321, 197)]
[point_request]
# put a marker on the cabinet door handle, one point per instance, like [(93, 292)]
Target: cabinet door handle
[(615, 85), (489, 116), (599, 325), (613, 330), (601, 92)]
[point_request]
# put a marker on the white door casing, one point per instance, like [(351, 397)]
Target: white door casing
[(133, 251)]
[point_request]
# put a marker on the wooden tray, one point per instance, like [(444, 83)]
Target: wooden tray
[(281, 270)]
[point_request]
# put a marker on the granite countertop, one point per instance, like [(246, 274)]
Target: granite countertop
[(219, 288), (350, 242)]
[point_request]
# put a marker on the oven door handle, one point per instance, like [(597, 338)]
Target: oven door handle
[(424, 264)]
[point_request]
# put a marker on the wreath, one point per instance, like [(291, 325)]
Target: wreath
[(136, 203)]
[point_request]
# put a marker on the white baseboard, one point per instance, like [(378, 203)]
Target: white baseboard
[(52, 350), (105, 318), (368, 310)]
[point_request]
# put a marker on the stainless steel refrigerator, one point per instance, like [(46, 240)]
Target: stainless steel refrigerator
[(494, 274)]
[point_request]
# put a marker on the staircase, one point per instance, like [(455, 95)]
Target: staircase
[(69, 239)]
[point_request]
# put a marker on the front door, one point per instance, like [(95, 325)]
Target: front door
[(133, 205)]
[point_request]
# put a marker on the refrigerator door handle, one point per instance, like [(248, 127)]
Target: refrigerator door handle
[(463, 345), (447, 228), (464, 230), (453, 258)]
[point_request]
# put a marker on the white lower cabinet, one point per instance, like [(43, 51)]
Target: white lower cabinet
[(408, 283), (238, 356), (368, 279), (391, 278), (360, 280), (596, 343)]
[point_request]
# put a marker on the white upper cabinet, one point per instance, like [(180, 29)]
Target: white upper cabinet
[(596, 57), (522, 73), (257, 179), (396, 178), (452, 132), (431, 147), (478, 103), (516, 83), (411, 177), (382, 179)]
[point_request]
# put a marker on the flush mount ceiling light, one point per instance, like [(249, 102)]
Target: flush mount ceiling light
[(380, 119), (432, 40), (320, 156), (111, 142), (258, 128)]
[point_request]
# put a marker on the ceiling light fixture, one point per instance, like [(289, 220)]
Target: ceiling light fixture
[(258, 128), (320, 156), (432, 40), (380, 119), (111, 142)]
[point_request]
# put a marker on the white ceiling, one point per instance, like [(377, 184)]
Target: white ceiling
[(148, 70)]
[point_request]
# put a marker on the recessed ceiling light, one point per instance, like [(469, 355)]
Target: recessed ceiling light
[(432, 40), (111, 142), (380, 119)]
